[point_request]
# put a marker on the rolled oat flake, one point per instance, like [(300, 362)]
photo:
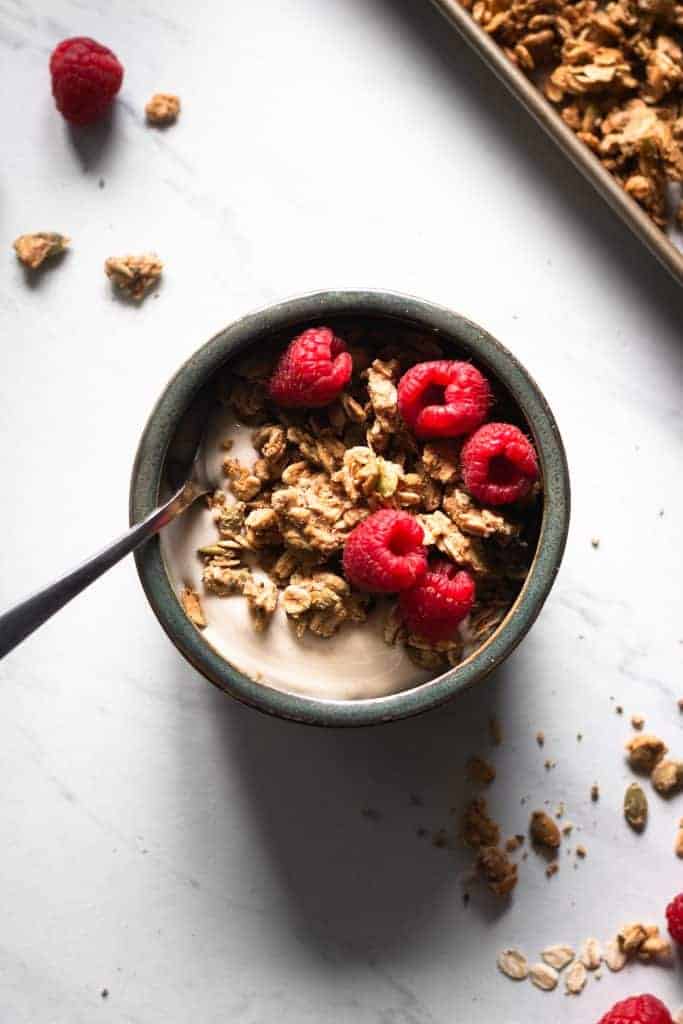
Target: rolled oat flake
[(544, 977), (591, 954), (575, 978), (513, 964), (558, 956), (615, 958)]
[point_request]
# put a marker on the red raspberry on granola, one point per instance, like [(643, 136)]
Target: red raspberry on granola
[(435, 607), (384, 553), (85, 78), (444, 398), (498, 464), (311, 371)]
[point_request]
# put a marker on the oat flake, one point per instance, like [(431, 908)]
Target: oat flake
[(615, 958), (591, 954), (544, 977), (558, 956), (513, 964)]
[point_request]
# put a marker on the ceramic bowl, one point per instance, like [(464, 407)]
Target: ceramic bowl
[(174, 426)]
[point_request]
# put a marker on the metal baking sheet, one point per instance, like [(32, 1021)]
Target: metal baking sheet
[(657, 241)]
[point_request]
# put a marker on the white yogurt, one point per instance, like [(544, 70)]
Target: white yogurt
[(354, 664)]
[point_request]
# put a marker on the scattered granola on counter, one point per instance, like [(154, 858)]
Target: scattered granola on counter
[(134, 275), (33, 250), (645, 752), (544, 831), (163, 108)]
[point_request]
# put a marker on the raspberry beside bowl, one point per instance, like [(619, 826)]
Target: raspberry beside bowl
[(171, 433)]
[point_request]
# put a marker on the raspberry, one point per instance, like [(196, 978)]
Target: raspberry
[(443, 398), (638, 1010), (312, 370), (498, 464), (85, 78), (384, 553), (674, 918), (436, 605)]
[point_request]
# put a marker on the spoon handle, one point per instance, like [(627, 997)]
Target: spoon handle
[(20, 621)]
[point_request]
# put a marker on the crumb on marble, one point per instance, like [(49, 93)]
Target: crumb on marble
[(134, 275), (163, 108), (33, 250)]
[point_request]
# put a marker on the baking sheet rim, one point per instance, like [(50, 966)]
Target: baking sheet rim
[(534, 101)]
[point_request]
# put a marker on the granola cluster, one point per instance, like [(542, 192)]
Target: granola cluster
[(285, 515), (615, 71)]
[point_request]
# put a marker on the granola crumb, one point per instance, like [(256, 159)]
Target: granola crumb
[(595, 542), (134, 275), (548, 764), (667, 777), (637, 721), (552, 869), (540, 738), (189, 599), (33, 250), (513, 843), (595, 792), (162, 108), (581, 851), (645, 751), (544, 831), (619, 710), (498, 870), (680, 703), (481, 771), (478, 828)]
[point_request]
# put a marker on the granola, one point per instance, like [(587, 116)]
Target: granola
[(134, 275), (162, 108), (33, 250), (614, 71), (287, 508)]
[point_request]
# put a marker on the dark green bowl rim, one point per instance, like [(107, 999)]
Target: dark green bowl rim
[(187, 382)]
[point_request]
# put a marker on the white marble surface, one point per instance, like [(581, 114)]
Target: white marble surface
[(201, 862)]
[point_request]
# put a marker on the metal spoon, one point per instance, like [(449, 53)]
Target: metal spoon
[(20, 621)]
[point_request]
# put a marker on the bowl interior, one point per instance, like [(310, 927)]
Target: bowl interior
[(178, 421)]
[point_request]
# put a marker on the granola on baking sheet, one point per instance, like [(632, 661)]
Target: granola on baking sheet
[(614, 71), (286, 511)]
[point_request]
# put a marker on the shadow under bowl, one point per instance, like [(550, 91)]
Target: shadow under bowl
[(171, 434)]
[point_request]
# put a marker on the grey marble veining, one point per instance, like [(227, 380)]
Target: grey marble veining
[(199, 861)]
